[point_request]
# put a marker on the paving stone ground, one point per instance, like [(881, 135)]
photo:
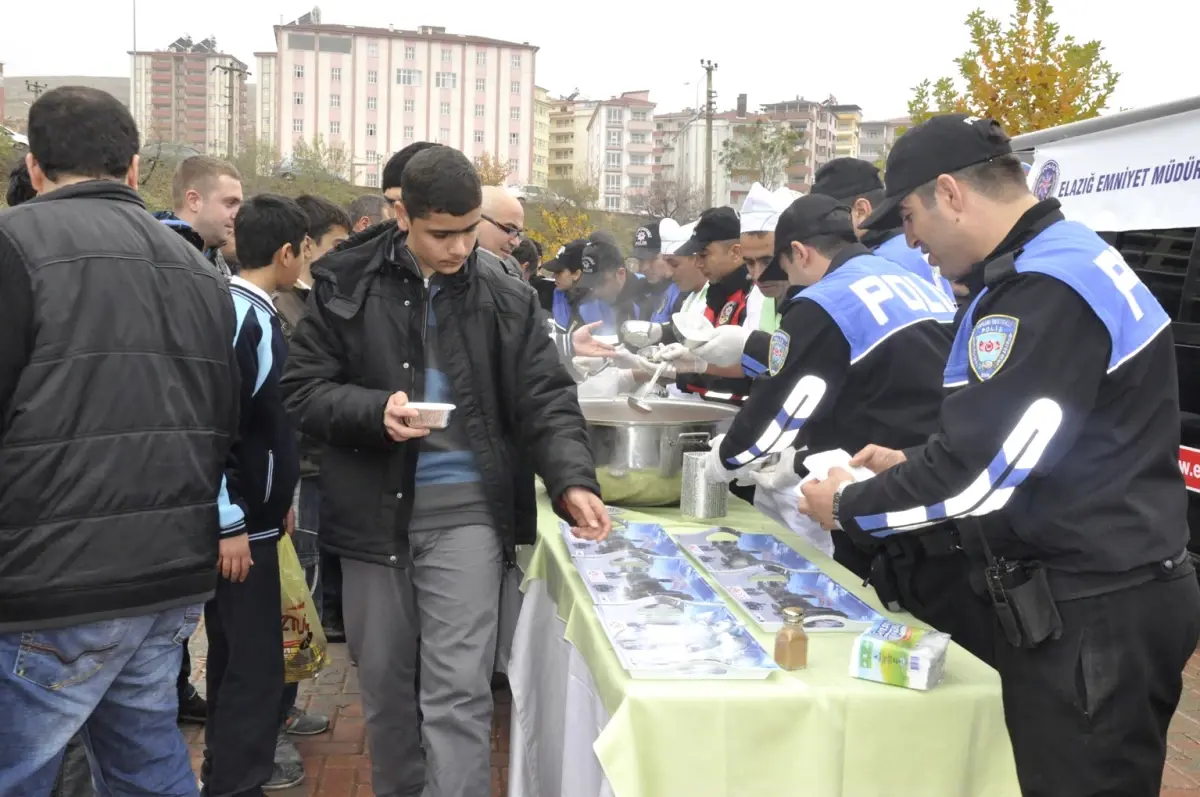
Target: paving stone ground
[(336, 763)]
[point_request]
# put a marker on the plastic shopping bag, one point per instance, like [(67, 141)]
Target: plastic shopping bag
[(305, 650)]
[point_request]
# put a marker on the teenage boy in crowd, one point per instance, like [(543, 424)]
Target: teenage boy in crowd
[(245, 640)]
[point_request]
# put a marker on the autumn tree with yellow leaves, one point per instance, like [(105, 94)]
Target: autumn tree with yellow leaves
[(554, 229), (1024, 75), (491, 171)]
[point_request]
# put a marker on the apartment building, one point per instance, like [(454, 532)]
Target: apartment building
[(849, 130), (190, 93), (621, 148), (689, 155), (667, 130), (569, 120), (878, 137), (541, 136), (818, 125), (372, 91)]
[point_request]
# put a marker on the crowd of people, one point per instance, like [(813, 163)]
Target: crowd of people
[(179, 391)]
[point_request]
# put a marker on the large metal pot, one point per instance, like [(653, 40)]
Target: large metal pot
[(639, 455)]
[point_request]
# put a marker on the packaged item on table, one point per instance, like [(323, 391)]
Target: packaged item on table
[(765, 591), (624, 578), (646, 539), (791, 641), (722, 549), (896, 654), (670, 638)]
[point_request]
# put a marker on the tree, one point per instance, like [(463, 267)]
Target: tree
[(880, 163), (760, 152), (491, 171), (573, 194), (553, 229), (668, 199), (318, 161), (1024, 76)]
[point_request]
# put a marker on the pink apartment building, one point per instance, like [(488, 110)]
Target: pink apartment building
[(376, 90)]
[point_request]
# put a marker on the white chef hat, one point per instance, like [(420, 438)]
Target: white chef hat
[(673, 236), (761, 210)]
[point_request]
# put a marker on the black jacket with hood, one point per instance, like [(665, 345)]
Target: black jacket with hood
[(361, 341)]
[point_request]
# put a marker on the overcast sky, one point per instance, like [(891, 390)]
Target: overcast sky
[(866, 52)]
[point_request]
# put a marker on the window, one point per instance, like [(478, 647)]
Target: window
[(480, 84), (408, 77), (612, 203), (372, 103), (335, 74), (372, 50), (615, 115), (637, 181), (372, 180), (612, 182), (335, 128), (297, 125), (637, 160), (410, 53), (444, 108), (446, 55), (515, 87), (299, 70), (637, 138), (335, 100), (446, 80), (513, 165), (516, 60), (514, 112), (408, 132), (514, 139), (370, 130), (410, 106), (478, 111), (478, 136), (614, 138), (481, 58), (372, 76), (298, 97), (613, 159), (444, 134), (371, 156), (638, 116)]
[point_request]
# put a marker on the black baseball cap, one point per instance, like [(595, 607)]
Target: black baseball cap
[(598, 259), (847, 178), (647, 243), (939, 145), (569, 257), (715, 224), (805, 219)]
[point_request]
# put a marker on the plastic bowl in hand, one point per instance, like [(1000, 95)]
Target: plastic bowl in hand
[(692, 330), (431, 415)]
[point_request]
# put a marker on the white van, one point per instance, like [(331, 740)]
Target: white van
[(1134, 177)]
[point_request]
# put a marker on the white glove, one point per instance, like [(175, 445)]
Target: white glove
[(682, 360), (590, 366), (624, 358), (725, 349), (715, 470), (780, 476)]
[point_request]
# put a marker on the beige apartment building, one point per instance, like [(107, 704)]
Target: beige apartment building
[(849, 130), (541, 136), (621, 148), (569, 119), (878, 137), (817, 123), (190, 93), (372, 91)]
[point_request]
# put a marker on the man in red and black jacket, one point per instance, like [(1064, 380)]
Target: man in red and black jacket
[(716, 245)]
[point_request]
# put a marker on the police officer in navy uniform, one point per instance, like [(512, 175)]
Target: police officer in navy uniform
[(1057, 455), (858, 357), (656, 293), (857, 183)]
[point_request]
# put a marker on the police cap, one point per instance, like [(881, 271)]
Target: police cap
[(847, 178), (647, 242), (569, 257), (599, 258), (940, 145), (715, 224), (807, 218)]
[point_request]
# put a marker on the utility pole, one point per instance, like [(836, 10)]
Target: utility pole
[(35, 88), (710, 99), (234, 72)]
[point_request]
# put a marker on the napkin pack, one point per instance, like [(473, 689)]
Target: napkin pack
[(891, 653)]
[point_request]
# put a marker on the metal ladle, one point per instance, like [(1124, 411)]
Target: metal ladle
[(637, 400)]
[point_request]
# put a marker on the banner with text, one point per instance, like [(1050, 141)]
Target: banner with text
[(1143, 176)]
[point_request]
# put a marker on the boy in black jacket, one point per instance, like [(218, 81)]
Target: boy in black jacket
[(245, 640)]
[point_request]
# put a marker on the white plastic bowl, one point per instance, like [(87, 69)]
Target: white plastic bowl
[(693, 330), (432, 415)]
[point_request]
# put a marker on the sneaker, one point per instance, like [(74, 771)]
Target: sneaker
[(334, 630), (300, 723), (285, 776), (286, 751), (192, 707)]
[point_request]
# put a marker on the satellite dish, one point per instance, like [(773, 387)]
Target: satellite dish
[(316, 15)]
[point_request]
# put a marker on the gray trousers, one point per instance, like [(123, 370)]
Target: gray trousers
[(449, 597)]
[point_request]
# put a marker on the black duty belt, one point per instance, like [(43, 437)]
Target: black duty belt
[(1072, 586), (942, 541)]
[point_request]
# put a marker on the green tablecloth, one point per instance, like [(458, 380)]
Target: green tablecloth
[(813, 733)]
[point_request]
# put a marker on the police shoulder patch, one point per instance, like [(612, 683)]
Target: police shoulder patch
[(726, 313), (990, 344), (777, 354)]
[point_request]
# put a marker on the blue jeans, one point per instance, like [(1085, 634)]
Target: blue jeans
[(111, 681)]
